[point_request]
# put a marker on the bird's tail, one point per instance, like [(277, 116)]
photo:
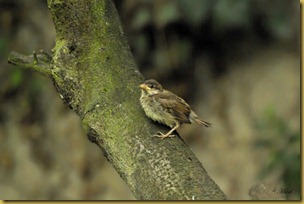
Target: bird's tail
[(194, 118), (202, 122)]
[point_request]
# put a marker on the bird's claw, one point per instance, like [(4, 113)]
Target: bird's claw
[(162, 135)]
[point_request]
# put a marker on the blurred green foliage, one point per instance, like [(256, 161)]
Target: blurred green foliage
[(16, 76), (168, 36), (195, 11), (232, 14), (283, 145), (3, 45)]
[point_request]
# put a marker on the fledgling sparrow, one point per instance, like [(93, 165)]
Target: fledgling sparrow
[(167, 108)]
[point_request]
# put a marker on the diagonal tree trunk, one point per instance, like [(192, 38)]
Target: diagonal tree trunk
[(95, 74)]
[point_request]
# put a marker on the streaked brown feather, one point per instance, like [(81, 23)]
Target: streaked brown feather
[(177, 106)]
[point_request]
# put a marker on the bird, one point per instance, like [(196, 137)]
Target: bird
[(166, 108)]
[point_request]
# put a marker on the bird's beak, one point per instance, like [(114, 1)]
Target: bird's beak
[(144, 87)]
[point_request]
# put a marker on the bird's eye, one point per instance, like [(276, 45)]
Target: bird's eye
[(151, 86)]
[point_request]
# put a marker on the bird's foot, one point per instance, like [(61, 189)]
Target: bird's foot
[(163, 136)]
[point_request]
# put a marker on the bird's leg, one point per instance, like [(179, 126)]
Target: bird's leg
[(168, 134)]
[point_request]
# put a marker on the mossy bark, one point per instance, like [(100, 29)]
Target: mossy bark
[(95, 74)]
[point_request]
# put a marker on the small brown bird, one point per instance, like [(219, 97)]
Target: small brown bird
[(167, 108)]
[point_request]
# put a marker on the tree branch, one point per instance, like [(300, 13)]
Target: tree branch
[(40, 63), (94, 72)]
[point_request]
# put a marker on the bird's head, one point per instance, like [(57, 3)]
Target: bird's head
[(151, 87)]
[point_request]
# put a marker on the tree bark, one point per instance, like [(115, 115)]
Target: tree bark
[(95, 74)]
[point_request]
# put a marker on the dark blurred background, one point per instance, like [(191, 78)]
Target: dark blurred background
[(236, 62)]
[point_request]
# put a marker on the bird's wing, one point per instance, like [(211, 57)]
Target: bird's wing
[(176, 105)]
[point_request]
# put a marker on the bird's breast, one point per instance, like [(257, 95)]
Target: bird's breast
[(156, 111)]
